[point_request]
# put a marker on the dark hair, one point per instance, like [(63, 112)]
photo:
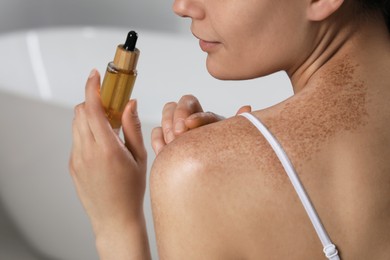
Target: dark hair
[(382, 5)]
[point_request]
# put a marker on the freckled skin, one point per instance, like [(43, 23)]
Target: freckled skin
[(336, 104)]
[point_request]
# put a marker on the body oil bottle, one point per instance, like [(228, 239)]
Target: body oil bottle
[(119, 80)]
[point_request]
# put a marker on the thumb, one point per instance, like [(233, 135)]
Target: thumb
[(132, 132)]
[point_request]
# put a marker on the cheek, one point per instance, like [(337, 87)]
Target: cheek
[(259, 43), (246, 59), (255, 51)]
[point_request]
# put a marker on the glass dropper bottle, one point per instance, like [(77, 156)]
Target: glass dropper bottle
[(119, 80)]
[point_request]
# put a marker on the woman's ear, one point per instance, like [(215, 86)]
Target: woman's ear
[(319, 10)]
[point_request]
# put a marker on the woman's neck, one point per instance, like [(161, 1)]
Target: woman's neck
[(365, 46), (339, 89)]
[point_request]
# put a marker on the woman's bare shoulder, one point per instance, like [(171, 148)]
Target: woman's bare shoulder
[(216, 183), (231, 145), (225, 179)]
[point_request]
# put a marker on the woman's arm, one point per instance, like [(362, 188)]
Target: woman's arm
[(110, 176), (124, 241)]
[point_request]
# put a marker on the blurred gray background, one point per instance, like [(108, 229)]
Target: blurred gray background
[(144, 14)]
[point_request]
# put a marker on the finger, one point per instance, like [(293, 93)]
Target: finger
[(76, 136), (81, 123), (203, 118), (167, 121), (244, 109), (186, 106), (82, 137), (133, 133), (76, 147), (81, 134), (97, 120), (158, 141)]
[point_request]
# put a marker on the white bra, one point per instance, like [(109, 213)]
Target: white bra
[(329, 248)]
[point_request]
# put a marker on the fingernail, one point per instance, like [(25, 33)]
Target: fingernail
[(134, 107), (92, 74), (170, 137), (193, 116), (180, 126), (157, 149)]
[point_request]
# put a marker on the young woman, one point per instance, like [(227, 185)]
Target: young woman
[(220, 191)]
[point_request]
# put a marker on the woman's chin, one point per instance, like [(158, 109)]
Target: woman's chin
[(227, 71), (224, 73)]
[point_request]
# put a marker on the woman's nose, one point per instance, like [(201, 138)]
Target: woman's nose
[(189, 8)]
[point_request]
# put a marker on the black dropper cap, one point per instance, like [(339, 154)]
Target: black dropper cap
[(126, 55), (131, 41)]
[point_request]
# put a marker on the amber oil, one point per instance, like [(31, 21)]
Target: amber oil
[(119, 80)]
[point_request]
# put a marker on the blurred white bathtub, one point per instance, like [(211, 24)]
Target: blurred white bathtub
[(42, 75)]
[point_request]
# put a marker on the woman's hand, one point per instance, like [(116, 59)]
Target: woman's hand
[(109, 174), (178, 118)]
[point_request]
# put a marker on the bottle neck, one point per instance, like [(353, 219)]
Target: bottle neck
[(126, 60)]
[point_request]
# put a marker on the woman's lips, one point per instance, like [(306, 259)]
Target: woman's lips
[(207, 46)]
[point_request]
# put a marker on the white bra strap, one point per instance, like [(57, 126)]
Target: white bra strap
[(329, 248)]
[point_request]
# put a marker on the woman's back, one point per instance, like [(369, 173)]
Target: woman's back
[(228, 192)]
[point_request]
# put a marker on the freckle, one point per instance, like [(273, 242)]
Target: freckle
[(338, 104)]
